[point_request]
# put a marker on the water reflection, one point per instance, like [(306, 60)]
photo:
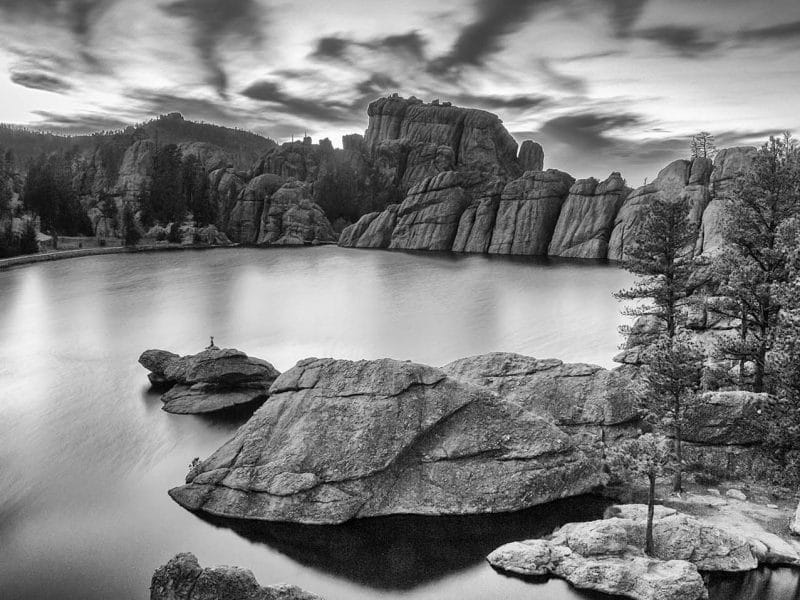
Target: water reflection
[(755, 585), (406, 551)]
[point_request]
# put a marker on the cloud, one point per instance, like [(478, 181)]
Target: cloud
[(782, 31), (589, 130), (331, 47), (624, 14), (335, 47), (40, 81), (493, 102), (482, 37), (378, 83), (78, 15), (561, 80), (149, 103), (76, 123), (320, 110), (212, 23), (684, 40)]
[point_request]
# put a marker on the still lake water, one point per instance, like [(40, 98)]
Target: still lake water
[(87, 455)]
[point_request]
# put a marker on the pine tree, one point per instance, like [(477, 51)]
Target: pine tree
[(646, 456), (753, 266), (672, 378), (662, 259), (130, 232), (703, 146)]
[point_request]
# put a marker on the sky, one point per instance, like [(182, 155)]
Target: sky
[(603, 85)]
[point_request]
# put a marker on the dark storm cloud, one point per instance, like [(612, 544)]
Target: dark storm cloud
[(684, 40), (213, 22), (78, 15), (40, 81), (484, 35), (76, 123), (320, 110), (377, 84), (783, 31), (624, 14), (588, 131), (491, 102), (335, 47)]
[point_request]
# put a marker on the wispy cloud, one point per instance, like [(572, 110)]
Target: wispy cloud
[(40, 81)]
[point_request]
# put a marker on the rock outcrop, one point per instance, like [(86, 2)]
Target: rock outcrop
[(212, 380), (429, 216), (528, 213), (606, 555), (579, 398), (291, 218), (587, 217), (182, 578), (324, 450)]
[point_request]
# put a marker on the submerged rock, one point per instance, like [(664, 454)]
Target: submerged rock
[(182, 578), (339, 440), (211, 380)]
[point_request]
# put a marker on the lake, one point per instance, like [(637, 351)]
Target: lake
[(87, 454)]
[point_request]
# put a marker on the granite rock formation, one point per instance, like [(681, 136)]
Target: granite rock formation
[(182, 578), (291, 218), (214, 379), (587, 217), (578, 398), (322, 449), (606, 555)]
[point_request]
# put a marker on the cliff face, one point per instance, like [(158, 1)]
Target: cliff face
[(546, 212)]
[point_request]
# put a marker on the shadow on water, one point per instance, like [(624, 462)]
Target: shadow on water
[(760, 584), (404, 551)]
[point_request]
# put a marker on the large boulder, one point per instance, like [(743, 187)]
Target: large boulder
[(528, 213), (428, 218), (373, 230), (476, 225), (531, 156), (214, 379), (577, 397), (182, 578), (587, 217), (727, 418), (339, 440)]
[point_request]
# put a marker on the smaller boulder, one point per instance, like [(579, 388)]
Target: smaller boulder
[(794, 526), (182, 578), (736, 495)]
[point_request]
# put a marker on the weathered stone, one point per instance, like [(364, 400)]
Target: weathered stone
[(631, 576), (292, 218), (209, 397), (214, 379), (245, 216), (428, 218), (794, 525), (476, 225), (136, 170), (351, 234), (726, 418), (378, 233), (321, 450), (573, 395), (587, 217), (531, 156), (736, 494), (528, 213), (182, 578)]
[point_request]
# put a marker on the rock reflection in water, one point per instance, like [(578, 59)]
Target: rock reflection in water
[(404, 551), (761, 584)]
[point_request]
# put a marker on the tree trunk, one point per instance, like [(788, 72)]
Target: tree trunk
[(677, 484), (760, 365), (651, 501)]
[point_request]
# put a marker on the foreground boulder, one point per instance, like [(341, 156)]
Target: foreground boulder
[(339, 440), (214, 379), (606, 555), (182, 578)]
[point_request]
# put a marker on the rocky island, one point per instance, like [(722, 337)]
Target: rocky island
[(212, 380)]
